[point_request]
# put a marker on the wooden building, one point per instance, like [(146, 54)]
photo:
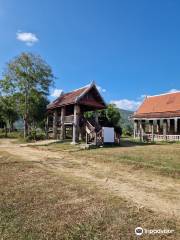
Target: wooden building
[(65, 115), (158, 118)]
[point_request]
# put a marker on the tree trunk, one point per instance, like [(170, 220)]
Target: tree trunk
[(12, 126), (25, 127), (9, 126), (5, 126), (26, 114)]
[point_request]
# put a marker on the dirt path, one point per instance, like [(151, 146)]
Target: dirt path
[(140, 187)]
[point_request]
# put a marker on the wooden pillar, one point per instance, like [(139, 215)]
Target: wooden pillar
[(164, 128), (149, 126), (141, 131), (135, 128), (97, 122), (62, 123), (138, 129), (86, 138), (75, 138), (55, 115), (158, 126), (95, 138), (161, 126), (152, 130), (155, 125), (168, 125), (175, 125), (47, 126)]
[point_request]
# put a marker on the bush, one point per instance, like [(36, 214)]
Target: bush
[(14, 134), (127, 132), (36, 135)]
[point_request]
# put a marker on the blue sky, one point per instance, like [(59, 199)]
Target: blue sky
[(130, 48)]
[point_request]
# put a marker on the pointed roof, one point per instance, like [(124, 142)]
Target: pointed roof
[(75, 97), (164, 105)]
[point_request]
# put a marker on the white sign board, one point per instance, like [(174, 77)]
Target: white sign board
[(108, 134)]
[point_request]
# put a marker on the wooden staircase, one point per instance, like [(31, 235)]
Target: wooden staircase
[(93, 133)]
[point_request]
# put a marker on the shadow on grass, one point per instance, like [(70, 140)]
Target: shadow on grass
[(126, 142), (129, 142)]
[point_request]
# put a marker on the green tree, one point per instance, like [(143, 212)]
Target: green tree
[(1, 115), (127, 130), (38, 109), (111, 115), (23, 74), (8, 111)]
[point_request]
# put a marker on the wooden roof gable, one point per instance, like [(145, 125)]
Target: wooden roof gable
[(77, 97)]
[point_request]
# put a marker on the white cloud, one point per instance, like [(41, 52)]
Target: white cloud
[(133, 105), (56, 93), (173, 90), (27, 37), (127, 104), (100, 89)]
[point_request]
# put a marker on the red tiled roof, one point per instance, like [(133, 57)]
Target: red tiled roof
[(75, 97), (165, 105), (67, 98)]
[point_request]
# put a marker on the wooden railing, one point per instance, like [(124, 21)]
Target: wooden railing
[(160, 137), (69, 119), (99, 140), (89, 127), (173, 137), (93, 135)]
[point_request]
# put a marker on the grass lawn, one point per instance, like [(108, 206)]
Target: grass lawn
[(38, 204), (163, 158)]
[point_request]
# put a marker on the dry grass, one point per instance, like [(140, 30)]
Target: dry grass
[(163, 158), (38, 204)]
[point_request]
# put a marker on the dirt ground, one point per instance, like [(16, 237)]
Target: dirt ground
[(142, 188)]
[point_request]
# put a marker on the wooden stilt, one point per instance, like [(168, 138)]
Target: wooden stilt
[(165, 128), (168, 125), (141, 131), (158, 126), (152, 131), (175, 125), (62, 123), (135, 128), (75, 138), (55, 124)]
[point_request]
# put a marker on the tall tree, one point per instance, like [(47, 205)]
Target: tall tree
[(1, 115), (38, 109), (8, 111), (23, 74)]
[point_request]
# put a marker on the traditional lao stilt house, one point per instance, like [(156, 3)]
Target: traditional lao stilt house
[(65, 115), (158, 118)]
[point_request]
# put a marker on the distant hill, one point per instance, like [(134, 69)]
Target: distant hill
[(125, 121)]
